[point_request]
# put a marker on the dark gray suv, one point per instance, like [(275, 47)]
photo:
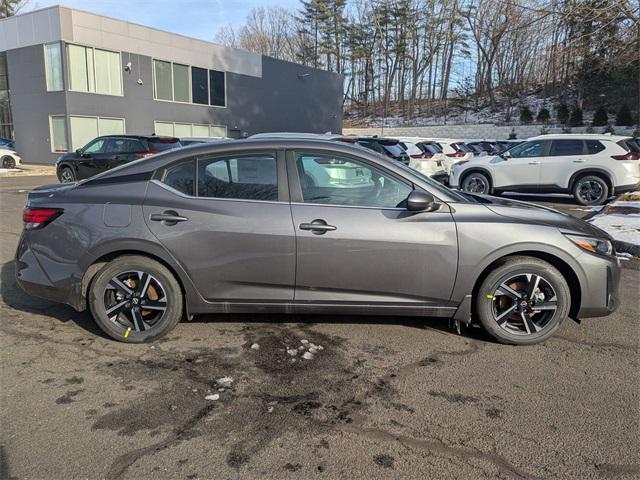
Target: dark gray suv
[(305, 226)]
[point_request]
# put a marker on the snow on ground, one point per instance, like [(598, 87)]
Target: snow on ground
[(625, 228), (10, 170)]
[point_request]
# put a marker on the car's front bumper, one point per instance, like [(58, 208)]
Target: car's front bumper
[(599, 296)]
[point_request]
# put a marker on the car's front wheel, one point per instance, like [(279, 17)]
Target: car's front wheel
[(8, 162), (67, 175), (476, 183), (135, 299), (591, 190), (523, 301)]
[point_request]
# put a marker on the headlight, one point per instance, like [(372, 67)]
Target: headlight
[(592, 244)]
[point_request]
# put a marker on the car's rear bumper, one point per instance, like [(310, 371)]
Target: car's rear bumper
[(31, 277), (599, 296)]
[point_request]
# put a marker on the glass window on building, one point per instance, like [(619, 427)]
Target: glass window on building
[(181, 83), (164, 128), (163, 84), (200, 131), (218, 131), (200, 85), (94, 70), (110, 126), (53, 67), (58, 126), (85, 129), (217, 88), (179, 129), (6, 125)]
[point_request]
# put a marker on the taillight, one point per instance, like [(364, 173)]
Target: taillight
[(143, 154), (456, 154), (627, 156), (39, 217)]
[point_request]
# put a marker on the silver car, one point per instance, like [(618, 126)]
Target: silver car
[(305, 226)]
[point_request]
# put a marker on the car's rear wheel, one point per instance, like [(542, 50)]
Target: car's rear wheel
[(8, 162), (523, 301), (135, 299), (591, 190), (67, 175), (476, 183)]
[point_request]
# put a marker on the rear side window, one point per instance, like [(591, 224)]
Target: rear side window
[(180, 177), (461, 147), (243, 177), (566, 147), (594, 146), (162, 144), (630, 145)]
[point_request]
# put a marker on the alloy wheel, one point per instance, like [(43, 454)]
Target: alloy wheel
[(66, 176), (524, 304), (135, 300), (590, 191), (476, 185)]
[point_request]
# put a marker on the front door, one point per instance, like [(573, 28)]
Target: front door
[(356, 241), (92, 159), (520, 168), (228, 220)]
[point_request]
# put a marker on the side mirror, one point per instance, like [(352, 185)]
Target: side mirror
[(506, 155), (421, 201)]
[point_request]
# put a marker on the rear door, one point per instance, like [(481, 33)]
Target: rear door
[(226, 218), (566, 156), (519, 169), (357, 243)]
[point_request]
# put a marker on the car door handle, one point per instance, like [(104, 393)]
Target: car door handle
[(318, 227), (534, 163), (168, 218), (578, 160)]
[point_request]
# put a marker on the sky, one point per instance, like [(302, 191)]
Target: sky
[(195, 18)]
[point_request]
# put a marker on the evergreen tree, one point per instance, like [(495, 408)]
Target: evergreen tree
[(575, 120), (525, 115), (623, 117), (562, 114), (600, 118), (543, 116)]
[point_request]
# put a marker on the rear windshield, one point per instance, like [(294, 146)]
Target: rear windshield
[(395, 150), (162, 144), (461, 147), (630, 144), (431, 148)]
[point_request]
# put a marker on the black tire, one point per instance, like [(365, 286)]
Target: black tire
[(491, 302), (476, 182), (66, 175), (8, 162), (590, 190), (124, 326)]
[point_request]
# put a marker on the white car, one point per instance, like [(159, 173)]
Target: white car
[(9, 158), (590, 167), (425, 156)]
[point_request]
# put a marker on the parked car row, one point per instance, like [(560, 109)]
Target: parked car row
[(591, 167)]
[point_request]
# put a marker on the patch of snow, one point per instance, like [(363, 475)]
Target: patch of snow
[(255, 346), (625, 228), (307, 356), (304, 341), (626, 203), (10, 170), (225, 382), (292, 351), (213, 397)]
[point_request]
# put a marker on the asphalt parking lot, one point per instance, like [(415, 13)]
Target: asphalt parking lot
[(385, 397)]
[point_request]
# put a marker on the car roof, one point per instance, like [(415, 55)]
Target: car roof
[(580, 136), (138, 137), (294, 135)]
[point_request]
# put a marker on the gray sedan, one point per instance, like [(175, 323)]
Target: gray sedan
[(305, 226)]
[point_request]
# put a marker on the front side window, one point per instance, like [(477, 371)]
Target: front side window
[(327, 179), (528, 149), (94, 147), (58, 126), (180, 177), (94, 70), (244, 177), (566, 147), (53, 63)]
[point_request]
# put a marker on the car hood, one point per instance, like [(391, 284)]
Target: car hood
[(532, 213)]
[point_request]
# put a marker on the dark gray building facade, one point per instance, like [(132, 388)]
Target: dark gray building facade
[(74, 75)]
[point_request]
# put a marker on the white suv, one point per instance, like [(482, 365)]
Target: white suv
[(591, 167)]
